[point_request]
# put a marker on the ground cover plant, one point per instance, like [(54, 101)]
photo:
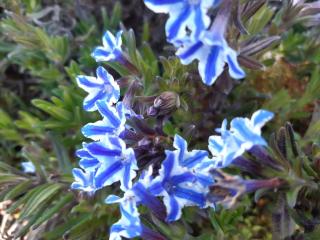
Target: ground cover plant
[(152, 119)]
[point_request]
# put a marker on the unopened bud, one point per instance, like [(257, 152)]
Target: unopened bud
[(165, 104)]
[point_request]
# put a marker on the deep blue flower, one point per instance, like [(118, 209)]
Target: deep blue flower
[(103, 87), (244, 133), (111, 49), (197, 161), (129, 225), (117, 162), (28, 167), (183, 15), (84, 180), (113, 122), (176, 184)]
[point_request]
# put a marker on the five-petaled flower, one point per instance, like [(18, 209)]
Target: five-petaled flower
[(212, 54), (117, 162), (244, 133), (176, 184), (84, 180), (111, 49), (103, 87)]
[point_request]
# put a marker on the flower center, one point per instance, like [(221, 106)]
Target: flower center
[(108, 88), (125, 159), (169, 187)]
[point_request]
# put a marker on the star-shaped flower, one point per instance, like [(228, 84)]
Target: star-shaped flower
[(113, 122), (175, 184), (103, 87), (244, 133), (212, 54), (117, 162), (84, 180), (183, 15), (111, 49)]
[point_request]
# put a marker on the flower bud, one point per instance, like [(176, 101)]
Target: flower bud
[(165, 104)]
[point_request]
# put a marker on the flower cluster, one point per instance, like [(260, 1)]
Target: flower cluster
[(196, 37), (108, 159), (185, 177)]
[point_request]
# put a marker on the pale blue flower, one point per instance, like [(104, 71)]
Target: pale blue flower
[(28, 167), (129, 225), (183, 15), (84, 180), (103, 87), (113, 122), (117, 162), (111, 49), (176, 184), (244, 133)]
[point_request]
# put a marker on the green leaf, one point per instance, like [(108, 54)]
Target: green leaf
[(132, 46), (116, 15), (56, 112), (61, 153), (18, 190), (7, 178), (57, 232), (292, 196), (57, 206), (215, 222), (40, 198), (119, 68), (5, 119)]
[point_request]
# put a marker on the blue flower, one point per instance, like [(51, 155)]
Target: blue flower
[(111, 49), (176, 184), (87, 161), (84, 180), (117, 162), (129, 225), (212, 54), (183, 15), (197, 161), (244, 133), (113, 122), (141, 195), (101, 88), (28, 167), (212, 50)]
